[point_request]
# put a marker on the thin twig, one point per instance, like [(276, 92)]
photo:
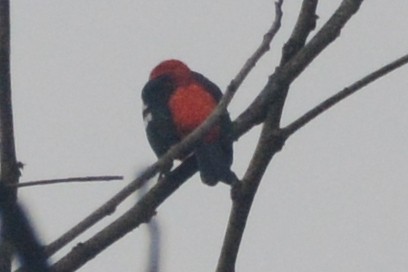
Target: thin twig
[(333, 100), (261, 50), (66, 180)]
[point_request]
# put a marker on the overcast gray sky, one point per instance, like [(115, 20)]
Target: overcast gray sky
[(334, 199)]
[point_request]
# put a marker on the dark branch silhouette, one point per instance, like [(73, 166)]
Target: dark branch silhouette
[(9, 172), (20, 233)]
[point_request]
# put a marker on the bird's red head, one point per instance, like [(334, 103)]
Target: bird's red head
[(176, 69)]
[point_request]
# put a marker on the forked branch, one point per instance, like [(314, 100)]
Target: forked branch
[(271, 102)]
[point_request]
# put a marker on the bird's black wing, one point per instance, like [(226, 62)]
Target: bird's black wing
[(160, 129)]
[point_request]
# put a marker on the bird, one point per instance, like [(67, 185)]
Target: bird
[(176, 100)]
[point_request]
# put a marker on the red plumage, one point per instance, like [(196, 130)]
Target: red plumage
[(177, 100)]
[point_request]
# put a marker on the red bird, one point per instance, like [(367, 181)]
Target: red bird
[(176, 101)]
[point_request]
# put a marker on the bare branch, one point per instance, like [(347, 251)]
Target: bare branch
[(284, 75), (66, 180), (305, 24), (333, 100), (271, 141), (267, 146)]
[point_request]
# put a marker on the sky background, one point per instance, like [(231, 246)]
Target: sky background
[(334, 199)]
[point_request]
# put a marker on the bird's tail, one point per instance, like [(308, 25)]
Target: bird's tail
[(214, 164)]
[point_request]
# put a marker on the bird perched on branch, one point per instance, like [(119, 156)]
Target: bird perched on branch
[(176, 101)]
